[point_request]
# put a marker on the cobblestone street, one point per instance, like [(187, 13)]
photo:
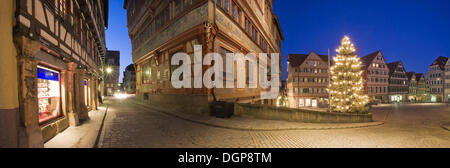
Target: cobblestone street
[(131, 125)]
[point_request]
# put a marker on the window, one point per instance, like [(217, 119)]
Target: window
[(256, 34), (146, 73), (305, 90), (227, 5), (253, 32), (239, 15), (87, 92), (64, 9), (178, 6), (233, 10), (236, 13), (247, 26), (262, 44), (48, 94)]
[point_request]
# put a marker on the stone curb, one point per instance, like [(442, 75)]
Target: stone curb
[(306, 127), (101, 134)]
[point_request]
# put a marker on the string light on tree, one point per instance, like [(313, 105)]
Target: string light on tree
[(347, 84)]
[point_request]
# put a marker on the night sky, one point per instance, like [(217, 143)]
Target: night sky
[(413, 31), (117, 34)]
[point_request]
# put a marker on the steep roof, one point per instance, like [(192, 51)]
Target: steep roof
[(324, 57), (298, 59), (368, 58), (440, 61), (392, 66), (410, 75), (130, 68), (418, 76)]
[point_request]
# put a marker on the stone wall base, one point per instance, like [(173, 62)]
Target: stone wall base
[(196, 104), (51, 130), (297, 115)]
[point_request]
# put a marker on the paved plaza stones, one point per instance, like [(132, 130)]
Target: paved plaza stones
[(129, 125)]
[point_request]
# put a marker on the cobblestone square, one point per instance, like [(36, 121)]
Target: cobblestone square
[(129, 125)]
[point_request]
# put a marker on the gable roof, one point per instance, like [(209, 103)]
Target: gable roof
[(410, 75), (298, 59), (392, 66), (324, 57), (440, 61), (419, 76), (366, 60)]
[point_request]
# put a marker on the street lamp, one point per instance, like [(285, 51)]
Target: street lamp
[(108, 70)]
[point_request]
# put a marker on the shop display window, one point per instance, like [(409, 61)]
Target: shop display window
[(314, 102), (301, 102), (49, 94), (87, 93), (308, 102)]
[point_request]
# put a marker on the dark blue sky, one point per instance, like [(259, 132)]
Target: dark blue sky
[(413, 31), (117, 34)]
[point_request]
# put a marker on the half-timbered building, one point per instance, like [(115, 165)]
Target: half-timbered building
[(436, 79), (307, 81), (398, 82), (60, 50), (376, 76), (423, 90), (447, 81), (412, 86)]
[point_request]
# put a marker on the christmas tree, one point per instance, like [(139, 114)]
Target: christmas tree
[(347, 83)]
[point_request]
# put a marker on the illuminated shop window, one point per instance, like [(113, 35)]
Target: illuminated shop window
[(301, 102), (308, 102), (48, 94), (314, 102), (87, 93)]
